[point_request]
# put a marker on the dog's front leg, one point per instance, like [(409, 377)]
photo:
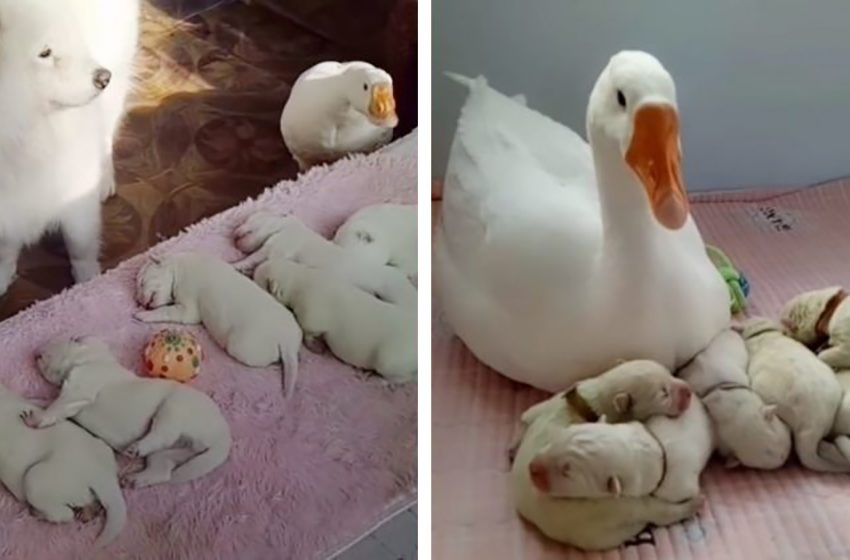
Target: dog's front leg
[(80, 226), (9, 252), (177, 313)]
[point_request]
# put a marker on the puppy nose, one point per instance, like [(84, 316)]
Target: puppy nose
[(684, 397), (101, 78), (538, 475)]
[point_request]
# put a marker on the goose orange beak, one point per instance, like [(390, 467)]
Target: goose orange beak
[(382, 106), (654, 156)]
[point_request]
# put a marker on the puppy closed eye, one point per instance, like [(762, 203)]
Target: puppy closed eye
[(565, 470)]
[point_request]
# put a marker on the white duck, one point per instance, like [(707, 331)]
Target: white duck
[(338, 108), (555, 259)]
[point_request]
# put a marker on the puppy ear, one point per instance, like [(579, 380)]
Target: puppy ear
[(622, 402), (769, 412), (614, 486), (732, 462)]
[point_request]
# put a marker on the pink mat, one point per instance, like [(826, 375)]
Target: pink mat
[(304, 477), (785, 243)]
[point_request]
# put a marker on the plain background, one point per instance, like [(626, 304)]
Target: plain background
[(763, 86)]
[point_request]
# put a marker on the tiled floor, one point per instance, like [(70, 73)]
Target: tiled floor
[(202, 129), (394, 540)]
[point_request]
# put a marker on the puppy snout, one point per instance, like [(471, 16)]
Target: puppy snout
[(101, 79), (539, 476)]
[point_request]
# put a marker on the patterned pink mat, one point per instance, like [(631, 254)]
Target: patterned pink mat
[(785, 243), (305, 476)]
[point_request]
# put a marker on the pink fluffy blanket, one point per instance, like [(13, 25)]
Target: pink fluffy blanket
[(304, 476)]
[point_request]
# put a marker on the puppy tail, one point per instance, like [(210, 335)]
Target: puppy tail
[(109, 495), (203, 463), (289, 363)]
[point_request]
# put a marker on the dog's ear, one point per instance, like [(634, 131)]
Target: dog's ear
[(622, 402), (615, 488)]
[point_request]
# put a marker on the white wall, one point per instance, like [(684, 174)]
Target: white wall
[(764, 86)]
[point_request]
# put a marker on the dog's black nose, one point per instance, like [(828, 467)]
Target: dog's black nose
[(101, 78)]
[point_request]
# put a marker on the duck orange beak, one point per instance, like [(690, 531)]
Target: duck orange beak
[(654, 156), (382, 106)]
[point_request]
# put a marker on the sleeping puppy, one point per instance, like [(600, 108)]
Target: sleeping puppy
[(821, 318), (386, 233), (61, 471), (747, 430), (248, 323), (359, 329), (804, 389), (275, 238), (179, 430), (598, 460), (633, 390), (596, 524)]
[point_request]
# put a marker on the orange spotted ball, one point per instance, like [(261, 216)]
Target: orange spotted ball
[(173, 354)]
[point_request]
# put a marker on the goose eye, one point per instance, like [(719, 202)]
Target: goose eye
[(621, 99), (45, 53)]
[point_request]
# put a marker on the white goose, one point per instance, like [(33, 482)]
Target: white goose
[(555, 259)]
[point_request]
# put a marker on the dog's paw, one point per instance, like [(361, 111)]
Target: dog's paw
[(31, 418)]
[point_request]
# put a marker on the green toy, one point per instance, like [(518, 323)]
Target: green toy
[(739, 287)]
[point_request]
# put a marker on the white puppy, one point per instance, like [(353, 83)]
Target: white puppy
[(179, 430), (748, 431), (598, 460), (386, 233), (821, 318), (633, 390), (588, 524), (247, 322), (359, 329), (807, 394), (61, 471), (269, 237)]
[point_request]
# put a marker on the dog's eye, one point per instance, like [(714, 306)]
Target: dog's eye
[(45, 53), (664, 392), (365, 87)]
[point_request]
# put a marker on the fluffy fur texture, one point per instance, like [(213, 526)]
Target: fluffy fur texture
[(359, 329), (194, 288), (386, 233), (807, 394), (688, 443), (588, 524), (58, 121), (61, 471), (747, 430), (343, 451), (803, 317), (178, 430), (599, 460), (270, 237)]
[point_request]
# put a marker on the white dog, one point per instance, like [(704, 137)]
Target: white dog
[(598, 460), (748, 431), (385, 233), (821, 317), (177, 429), (62, 472), (588, 524), (807, 394), (53, 154), (246, 321), (359, 329), (274, 238)]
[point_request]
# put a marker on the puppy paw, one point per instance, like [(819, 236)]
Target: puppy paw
[(131, 451), (31, 418)]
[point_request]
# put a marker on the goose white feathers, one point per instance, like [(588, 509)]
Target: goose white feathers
[(555, 258), (338, 108)]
